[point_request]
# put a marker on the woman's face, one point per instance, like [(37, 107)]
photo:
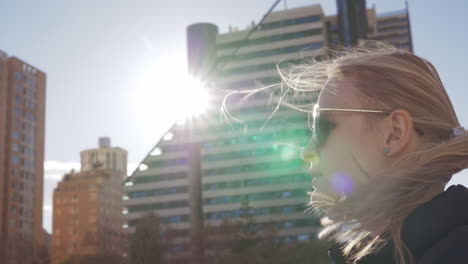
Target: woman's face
[(352, 152)]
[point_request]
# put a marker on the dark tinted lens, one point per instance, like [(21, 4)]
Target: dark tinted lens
[(323, 128)]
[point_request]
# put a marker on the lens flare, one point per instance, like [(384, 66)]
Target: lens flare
[(288, 152), (342, 183), (166, 87)]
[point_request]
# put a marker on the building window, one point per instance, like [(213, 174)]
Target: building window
[(278, 51), (288, 240), (18, 99), (93, 196), (15, 160), (15, 147), (175, 219), (156, 152), (18, 112), (91, 160), (289, 224), (168, 136), (288, 209), (156, 206), (18, 76), (291, 22), (270, 39), (107, 160)]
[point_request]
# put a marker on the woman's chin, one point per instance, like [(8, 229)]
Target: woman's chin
[(323, 195), (325, 204)]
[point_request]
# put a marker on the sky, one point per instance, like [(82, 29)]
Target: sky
[(112, 65)]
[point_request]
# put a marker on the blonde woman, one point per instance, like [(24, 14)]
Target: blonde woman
[(386, 140)]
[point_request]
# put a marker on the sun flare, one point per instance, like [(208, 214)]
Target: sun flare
[(183, 96), (165, 93)]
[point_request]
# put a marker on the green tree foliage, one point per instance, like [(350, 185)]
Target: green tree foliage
[(95, 259), (44, 256), (252, 243), (146, 246), (311, 252), (248, 235)]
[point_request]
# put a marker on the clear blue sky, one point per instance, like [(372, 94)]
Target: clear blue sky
[(96, 53)]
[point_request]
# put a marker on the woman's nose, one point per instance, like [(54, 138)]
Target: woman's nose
[(309, 153)]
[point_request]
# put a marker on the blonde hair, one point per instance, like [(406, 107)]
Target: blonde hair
[(387, 79)]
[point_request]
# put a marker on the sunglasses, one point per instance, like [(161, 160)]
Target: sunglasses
[(321, 128)]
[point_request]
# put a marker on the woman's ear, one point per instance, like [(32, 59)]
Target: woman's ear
[(399, 132)]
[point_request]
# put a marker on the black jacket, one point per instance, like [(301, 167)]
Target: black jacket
[(436, 232)]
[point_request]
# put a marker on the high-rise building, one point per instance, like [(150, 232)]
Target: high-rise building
[(200, 173), (22, 121), (3, 133), (352, 21), (392, 27), (105, 157), (166, 190), (87, 215)]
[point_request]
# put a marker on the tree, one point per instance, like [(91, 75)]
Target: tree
[(299, 253), (258, 244), (93, 259), (248, 229), (44, 256), (146, 245), (219, 240), (313, 251), (244, 241)]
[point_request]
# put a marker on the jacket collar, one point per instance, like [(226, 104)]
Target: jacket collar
[(428, 224)]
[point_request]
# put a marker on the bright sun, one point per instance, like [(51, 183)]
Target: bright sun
[(194, 99), (165, 94)]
